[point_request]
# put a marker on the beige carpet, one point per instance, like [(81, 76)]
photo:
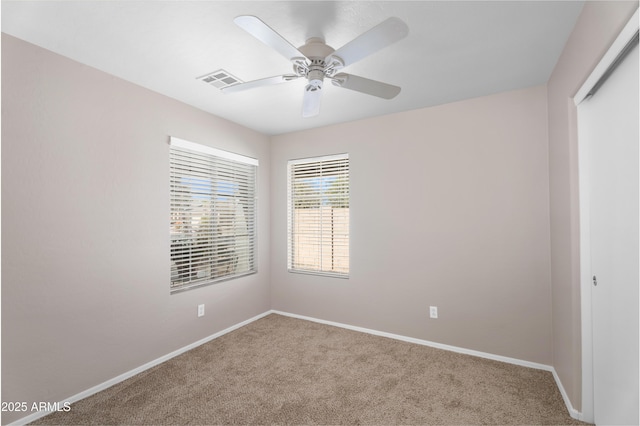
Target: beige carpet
[(281, 370)]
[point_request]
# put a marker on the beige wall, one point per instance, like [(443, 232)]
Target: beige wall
[(85, 236), (597, 27), (449, 207)]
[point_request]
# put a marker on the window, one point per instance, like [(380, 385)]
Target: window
[(318, 215), (213, 215)]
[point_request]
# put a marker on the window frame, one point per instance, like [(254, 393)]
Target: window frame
[(291, 263), (215, 173)]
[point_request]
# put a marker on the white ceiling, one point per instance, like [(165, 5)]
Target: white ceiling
[(455, 50)]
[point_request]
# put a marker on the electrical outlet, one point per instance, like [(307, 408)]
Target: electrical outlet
[(433, 312), (201, 310)]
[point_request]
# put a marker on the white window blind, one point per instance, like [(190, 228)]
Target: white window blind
[(213, 215), (318, 215)]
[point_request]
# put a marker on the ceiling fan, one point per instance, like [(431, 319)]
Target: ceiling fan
[(316, 61)]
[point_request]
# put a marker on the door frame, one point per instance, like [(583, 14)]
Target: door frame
[(627, 33)]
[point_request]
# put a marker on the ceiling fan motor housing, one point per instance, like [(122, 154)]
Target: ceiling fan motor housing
[(316, 68)]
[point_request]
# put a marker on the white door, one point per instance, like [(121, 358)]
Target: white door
[(608, 131)]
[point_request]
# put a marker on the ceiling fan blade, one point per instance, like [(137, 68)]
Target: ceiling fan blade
[(382, 35), (259, 83), (268, 36), (365, 85), (311, 101)]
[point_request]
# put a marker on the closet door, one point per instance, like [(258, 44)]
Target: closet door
[(608, 130)]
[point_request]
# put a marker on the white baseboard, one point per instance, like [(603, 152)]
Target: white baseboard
[(567, 402), (84, 394), (425, 343), (572, 412), (102, 386)]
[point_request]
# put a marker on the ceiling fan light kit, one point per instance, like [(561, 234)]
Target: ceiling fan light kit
[(315, 61)]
